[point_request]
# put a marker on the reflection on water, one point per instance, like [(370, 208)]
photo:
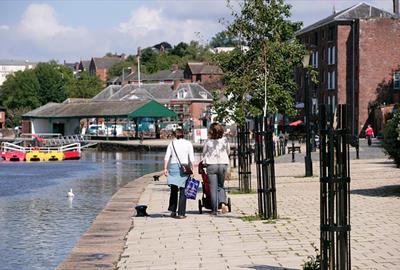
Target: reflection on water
[(39, 224)]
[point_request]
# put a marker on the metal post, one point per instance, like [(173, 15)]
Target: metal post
[(293, 159), (307, 158)]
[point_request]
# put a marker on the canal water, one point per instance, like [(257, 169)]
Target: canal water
[(39, 224)]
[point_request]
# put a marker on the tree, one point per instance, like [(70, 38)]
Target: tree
[(259, 80), (223, 39), (53, 79), (391, 136), (116, 69), (85, 86), (21, 89)]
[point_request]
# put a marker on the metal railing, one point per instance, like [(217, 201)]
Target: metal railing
[(334, 191), (265, 164), (244, 152)]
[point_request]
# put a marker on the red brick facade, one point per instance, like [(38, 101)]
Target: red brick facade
[(373, 61)]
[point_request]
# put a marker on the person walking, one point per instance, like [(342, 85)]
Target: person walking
[(369, 132), (216, 157), (179, 151)]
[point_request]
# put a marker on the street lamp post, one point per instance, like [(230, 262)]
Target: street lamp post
[(123, 73), (307, 107)]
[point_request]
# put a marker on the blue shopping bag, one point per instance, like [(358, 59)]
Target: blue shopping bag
[(191, 188)]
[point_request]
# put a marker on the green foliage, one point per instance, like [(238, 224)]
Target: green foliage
[(21, 89), (85, 86), (152, 60), (260, 78), (251, 218), (14, 116), (224, 39), (53, 79), (314, 262), (116, 69), (391, 137)]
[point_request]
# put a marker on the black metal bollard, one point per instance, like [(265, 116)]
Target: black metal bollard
[(293, 159), (141, 210)]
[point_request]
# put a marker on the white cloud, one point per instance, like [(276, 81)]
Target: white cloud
[(4, 27), (39, 22), (148, 26)]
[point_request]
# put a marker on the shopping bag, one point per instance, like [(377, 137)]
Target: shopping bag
[(191, 188)]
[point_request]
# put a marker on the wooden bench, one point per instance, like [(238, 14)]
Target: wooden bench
[(293, 149)]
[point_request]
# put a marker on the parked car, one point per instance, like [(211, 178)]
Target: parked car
[(171, 127), (95, 130)]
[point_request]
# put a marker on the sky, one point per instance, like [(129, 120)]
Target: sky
[(74, 30)]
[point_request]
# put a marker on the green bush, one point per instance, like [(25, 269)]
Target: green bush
[(391, 137)]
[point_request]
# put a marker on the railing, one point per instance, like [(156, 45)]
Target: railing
[(10, 147)]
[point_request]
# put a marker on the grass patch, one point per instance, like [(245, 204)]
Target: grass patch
[(257, 217), (239, 192), (251, 218)]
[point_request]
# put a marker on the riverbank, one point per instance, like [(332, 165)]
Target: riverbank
[(102, 244)]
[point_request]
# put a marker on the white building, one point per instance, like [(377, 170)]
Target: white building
[(10, 66)]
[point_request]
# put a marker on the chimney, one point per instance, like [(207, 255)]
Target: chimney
[(396, 7)]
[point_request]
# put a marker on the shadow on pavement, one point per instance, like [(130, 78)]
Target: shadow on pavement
[(267, 267), (385, 191)]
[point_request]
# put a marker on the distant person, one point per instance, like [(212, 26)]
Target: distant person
[(181, 149), (369, 132), (216, 158)]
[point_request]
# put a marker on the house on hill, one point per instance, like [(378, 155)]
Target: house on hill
[(354, 52), (100, 66), (202, 72)]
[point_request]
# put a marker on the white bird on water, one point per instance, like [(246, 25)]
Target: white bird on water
[(70, 194)]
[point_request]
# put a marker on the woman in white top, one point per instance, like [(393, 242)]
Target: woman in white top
[(216, 157), (175, 179)]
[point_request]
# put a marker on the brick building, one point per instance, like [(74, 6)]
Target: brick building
[(2, 117), (355, 52), (100, 66)]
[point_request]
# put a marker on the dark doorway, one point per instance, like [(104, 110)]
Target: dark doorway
[(58, 128)]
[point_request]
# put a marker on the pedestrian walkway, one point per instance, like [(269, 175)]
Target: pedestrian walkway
[(202, 241)]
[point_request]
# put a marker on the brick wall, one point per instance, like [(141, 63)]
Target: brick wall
[(196, 110), (379, 41), (343, 55)]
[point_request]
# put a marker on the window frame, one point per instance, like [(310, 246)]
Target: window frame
[(396, 80)]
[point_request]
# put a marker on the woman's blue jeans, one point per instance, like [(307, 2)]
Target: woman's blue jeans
[(216, 177)]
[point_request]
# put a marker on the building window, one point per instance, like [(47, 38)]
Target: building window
[(396, 80), (315, 39), (203, 94), (332, 55), (314, 59), (331, 80), (181, 94), (331, 33)]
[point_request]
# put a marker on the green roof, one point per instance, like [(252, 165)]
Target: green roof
[(88, 109), (152, 109)]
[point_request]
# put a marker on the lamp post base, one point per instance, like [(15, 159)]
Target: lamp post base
[(308, 164)]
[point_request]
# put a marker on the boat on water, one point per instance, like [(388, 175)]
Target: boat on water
[(15, 152)]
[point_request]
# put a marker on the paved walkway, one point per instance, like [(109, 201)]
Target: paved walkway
[(227, 242)]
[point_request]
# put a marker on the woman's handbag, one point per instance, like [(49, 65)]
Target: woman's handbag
[(185, 168), (191, 188)]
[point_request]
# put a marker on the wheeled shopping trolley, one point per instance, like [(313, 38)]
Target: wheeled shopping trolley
[(205, 200)]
